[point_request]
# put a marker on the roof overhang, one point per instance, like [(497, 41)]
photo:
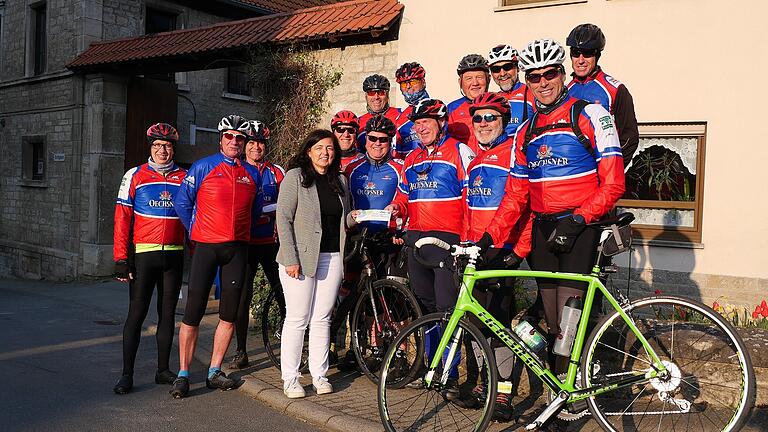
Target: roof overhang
[(349, 23)]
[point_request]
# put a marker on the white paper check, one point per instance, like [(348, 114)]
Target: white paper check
[(374, 216)]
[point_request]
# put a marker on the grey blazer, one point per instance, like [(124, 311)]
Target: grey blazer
[(299, 228)]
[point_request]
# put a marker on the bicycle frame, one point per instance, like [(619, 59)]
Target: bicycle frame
[(467, 304)]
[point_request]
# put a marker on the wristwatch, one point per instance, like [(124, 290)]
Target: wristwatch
[(578, 218)]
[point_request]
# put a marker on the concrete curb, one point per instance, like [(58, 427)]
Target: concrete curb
[(305, 409), (302, 409)]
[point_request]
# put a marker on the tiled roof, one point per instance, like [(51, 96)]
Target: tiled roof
[(278, 6), (305, 25)]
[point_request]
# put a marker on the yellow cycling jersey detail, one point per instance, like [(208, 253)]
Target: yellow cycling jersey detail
[(151, 247)]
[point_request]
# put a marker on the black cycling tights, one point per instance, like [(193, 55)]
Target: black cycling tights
[(232, 257), (263, 254), (554, 293), (164, 269)]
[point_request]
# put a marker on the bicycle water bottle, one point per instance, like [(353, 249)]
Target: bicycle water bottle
[(527, 332), (569, 323)]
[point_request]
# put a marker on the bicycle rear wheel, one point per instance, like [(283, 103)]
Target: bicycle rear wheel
[(417, 407), (710, 385), (272, 318), (396, 307)]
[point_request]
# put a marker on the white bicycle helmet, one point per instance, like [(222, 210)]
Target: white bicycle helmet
[(541, 53), (234, 122), (501, 53)]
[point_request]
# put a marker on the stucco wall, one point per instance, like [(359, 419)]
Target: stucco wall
[(671, 55)]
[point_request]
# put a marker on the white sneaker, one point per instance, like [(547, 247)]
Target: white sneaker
[(293, 389), (322, 386)]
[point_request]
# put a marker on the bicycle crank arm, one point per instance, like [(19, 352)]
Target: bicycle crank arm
[(552, 409)]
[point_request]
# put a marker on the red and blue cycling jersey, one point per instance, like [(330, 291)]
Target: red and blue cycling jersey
[(373, 185), (218, 198), (406, 139), (263, 226), (391, 113), (558, 173), (145, 208), (348, 159), (487, 175), (597, 88), (521, 106), (433, 187), (460, 123)]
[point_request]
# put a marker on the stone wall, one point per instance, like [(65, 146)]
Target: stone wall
[(203, 101), (356, 63), (62, 227), (38, 220)]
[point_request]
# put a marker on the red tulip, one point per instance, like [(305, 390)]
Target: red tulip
[(715, 305), (755, 315), (764, 305), (657, 292)]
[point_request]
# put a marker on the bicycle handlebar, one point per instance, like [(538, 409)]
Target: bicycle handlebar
[(456, 250), (433, 241)]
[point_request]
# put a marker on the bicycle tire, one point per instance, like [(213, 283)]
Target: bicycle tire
[(464, 412), (714, 392), (401, 309), (272, 318)]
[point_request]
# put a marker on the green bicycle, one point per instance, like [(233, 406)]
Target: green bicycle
[(658, 363)]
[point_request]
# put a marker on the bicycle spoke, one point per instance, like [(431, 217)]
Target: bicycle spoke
[(705, 387)]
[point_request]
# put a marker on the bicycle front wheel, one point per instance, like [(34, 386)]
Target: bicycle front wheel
[(462, 399), (272, 318), (709, 384), (372, 335)]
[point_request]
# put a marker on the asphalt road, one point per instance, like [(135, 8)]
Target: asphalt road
[(60, 355)]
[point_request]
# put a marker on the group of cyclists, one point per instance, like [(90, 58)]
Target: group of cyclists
[(519, 172)]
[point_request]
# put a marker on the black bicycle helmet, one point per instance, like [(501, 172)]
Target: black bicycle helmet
[(586, 36), (380, 123), (376, 82), (472, 62)]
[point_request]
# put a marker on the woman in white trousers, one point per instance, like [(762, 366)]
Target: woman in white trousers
[(312, 217)]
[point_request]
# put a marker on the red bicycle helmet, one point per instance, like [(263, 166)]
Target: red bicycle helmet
[(490, 100), (345, 117), (409, 71), (162, 131), (429, 108)]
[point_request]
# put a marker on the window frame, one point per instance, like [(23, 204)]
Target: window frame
[(29, 146), (33, 65), (229, 90), (506, 5), (678, 234), (160, 10)]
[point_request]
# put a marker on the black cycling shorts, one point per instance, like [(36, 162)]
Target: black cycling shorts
[(232, 257)]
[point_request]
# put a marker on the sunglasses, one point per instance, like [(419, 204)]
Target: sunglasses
[(409, 83), (505, 67), (376, 92), (237, 137), (587, 53), (383, 140), (342, 130), (477, 118), (549, 75)]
